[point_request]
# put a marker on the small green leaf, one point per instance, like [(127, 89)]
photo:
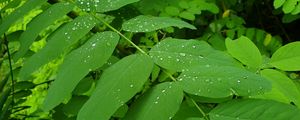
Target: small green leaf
[(171, 10), (245, 51), (149, 23), (283, 88), (33, 29), (289, 6), (117, 85), (222, 81), (254, 109), (103, 5), (159, 103), (287, 57), (78, 63), (18, 14), (186, 111), (179, 54), (278, 3), (83, 86), (57, 44), (187, 15)]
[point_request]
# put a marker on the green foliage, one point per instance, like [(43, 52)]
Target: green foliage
[(148, 60), (254, 109), (245, 51), (287, 57)]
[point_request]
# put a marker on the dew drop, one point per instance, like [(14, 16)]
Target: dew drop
[(108, 44), (131, 85), (238, 81), (161, 58), (155, 102), (194, 46), (207, 65), (163, 91), (157, 98), (94, 44), (182, 54), (177, 60)]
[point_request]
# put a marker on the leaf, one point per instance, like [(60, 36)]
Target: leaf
[(254, 109), (245, 51), (11, 4), (179, 54), (83, 86), (283, 88), (278, 3), (58, 42), (289, 6), (222, 81), (160, 103), (116, 86), (287, 57), (73, 106), (19, 13), (186, 111), (149, 23), (93, 54), (103, 5), (33, 29)]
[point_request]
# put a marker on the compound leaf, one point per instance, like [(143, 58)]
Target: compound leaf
[(222, 81), (19, 13), (116, 86), (60, 40), (283, 88), (159, 103), (180, 54), (33, 29), (287, 57), (103, 5), (254, 109), (149, 23), (245, 51), (93, 54)]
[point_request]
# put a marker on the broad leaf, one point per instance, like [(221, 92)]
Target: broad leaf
[(116, 86), (245, 51), (103, 5), (18, 14), (159, 103), (180, 54), (289, 6), (93, 54), (73, 106), (254, 109), (278, 3), (149, 23), (187, 111), (222, 81), (283, 89), (287, 57), (58, 42), (33, 29)]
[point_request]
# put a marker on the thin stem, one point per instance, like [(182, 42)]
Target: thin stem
[(11, 69), (115, 30), (198, 107), (194, 102)]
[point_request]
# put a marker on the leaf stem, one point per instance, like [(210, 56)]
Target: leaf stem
[(115, 30), (187, 96)]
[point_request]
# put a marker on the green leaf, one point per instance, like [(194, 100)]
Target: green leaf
[(159, 103), (287, 57), (103, 5), (18, 14), (254, 109), (11, 4), (149, 23), (73, 106), (289, 6), (278, 3), (179, 54), (78, 63), (83, 86), (117, 85), (222, 81), (187, 15), (33, 29), (186, 111), (245, 51), (283, 88), (171, 10), (57, 44)]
